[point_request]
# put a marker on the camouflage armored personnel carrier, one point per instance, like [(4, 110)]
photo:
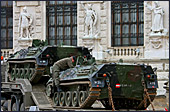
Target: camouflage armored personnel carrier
[(83, 85), (35, 61), (131, 86)]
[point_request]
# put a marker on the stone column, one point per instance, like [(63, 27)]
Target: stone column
[(37, 30)]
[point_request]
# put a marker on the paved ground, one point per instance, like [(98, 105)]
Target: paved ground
[(160, 103)]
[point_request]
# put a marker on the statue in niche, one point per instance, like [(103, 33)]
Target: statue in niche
[(25, 22), (157, 24), (90, 20)]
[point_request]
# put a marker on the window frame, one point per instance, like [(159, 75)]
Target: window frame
[(72, 5), (8, 14), (129, 23)]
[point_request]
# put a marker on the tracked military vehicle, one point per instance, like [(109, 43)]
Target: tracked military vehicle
[(35, 61), (30, 83), (83, 85)]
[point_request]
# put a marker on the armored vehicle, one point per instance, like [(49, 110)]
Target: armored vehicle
[(116, 85), (36, 61), (83, 85)]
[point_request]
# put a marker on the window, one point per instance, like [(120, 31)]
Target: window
[(127, 23), (6, 24), (62, 22)]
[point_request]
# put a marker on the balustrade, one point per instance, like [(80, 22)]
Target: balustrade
[(127, 52), (6, 52)]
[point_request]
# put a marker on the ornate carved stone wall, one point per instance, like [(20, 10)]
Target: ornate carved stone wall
[(37, 10), (97, 42), (156, 43)]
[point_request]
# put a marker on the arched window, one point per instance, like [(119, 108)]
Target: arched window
[(6, 24), (61, 22), (127, 23)]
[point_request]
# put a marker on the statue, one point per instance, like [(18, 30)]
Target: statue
[(157, 24), (90, 20), (25, 22)]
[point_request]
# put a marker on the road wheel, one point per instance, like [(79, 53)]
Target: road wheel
[(62, 98), (27, 73), (75, 98), (49, 90), (82, 97), (22, 72), (14, 107), (22, 108), (68, 98), (13, 73), (18, 73), (32, 71), (56, 98)]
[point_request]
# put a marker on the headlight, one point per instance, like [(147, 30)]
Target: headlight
[(42, 61), (97, 82)]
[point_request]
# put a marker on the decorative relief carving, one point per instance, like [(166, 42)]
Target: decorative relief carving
[(156, 42), (103, 27), (22, 43), (148, 25), (90, 21), (81, 28), (25, 24), (81, 14), (38, 16), (148, 18), (16, 17), (103, 6), (38, 35), (38, 29), (103, 13), (92, 2), (81, 20), (167, 43), (17, 9), (28, 3), (166, 66), (103, 34), (157, 23), (38, 9), (38, 22), (16, 23)]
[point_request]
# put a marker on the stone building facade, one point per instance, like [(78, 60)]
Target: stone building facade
[(95, 28)]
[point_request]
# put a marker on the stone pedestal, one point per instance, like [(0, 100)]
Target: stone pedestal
[(98, 55), (94, 43), (23, 43)]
